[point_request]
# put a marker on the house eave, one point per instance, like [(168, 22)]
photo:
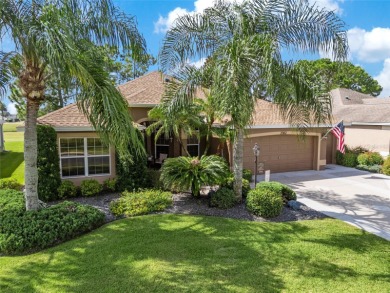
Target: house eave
[(371, 123)]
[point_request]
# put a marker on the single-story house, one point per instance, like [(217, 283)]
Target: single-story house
[(83, 156), (366, 119)]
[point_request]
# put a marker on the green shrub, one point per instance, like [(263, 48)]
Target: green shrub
[(90, 187), (247, 174), (48, 163), (191, 173), (339, 158), (386, 166), (265, 203), (372, 169), (140, 203), (223, 198), (356, 150), (245, 185), (110, 184), (10, 183), (11, 200), (370, 159), (22, 232), (350, 160), (155, 181), (283, 190), (134, 175), (67, 189)]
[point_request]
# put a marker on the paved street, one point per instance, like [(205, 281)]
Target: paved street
[(357, 197)]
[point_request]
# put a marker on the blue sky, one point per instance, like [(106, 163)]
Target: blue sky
[(367, 22)]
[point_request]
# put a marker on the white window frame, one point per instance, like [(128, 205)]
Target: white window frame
[(192, 144), (159, 144), (85, 156)]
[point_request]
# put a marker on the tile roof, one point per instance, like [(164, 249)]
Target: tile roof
[(145, 90), (352, 106), (69, 116)]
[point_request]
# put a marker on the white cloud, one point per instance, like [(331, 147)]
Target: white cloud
[(11, 108), (369, 46), (164, 23), (199, 63), (331, 5), (384, 78)]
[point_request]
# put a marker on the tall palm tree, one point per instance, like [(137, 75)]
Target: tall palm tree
[(246, 43), (184, 121), (64, 34)]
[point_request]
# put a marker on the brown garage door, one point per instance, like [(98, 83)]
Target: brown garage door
[(280, 153)]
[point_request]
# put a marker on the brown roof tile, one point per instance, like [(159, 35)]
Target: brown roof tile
[(69, 116)]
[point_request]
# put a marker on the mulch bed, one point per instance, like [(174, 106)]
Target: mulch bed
[(184, 203)]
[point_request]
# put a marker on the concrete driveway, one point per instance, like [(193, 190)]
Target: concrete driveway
[(356, 197)]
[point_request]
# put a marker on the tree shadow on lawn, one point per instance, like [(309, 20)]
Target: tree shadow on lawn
[(171, 253), (9, 162)]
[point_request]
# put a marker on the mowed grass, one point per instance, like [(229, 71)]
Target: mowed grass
[(12, 161), (177, 253), (11, 126)]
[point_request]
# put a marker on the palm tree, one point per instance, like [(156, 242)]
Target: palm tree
[(65, 35), (184, 121), (245, 42)]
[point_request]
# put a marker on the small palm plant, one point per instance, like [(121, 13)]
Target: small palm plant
[(191, 173)]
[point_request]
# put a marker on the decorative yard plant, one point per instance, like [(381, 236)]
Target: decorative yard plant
[(191, 173)]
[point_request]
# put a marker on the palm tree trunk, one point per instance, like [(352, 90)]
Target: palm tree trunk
[(30, 155), (238, 162)]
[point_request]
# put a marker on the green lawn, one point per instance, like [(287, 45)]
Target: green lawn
[(174, 253), (12, 161), (11, 126)]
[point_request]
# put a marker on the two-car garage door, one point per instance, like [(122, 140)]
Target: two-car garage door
[(280, 153)]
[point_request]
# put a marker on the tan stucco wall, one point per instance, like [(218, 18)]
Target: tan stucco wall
[(77, 180), (374, 138), (313, 137), (139, 114)]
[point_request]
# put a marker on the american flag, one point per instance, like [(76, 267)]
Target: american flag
[(338, 131)]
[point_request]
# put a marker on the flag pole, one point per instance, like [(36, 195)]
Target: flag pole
[(325, 135)]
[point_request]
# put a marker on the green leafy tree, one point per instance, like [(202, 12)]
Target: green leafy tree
[(245, 43), (335, 74), (64, 34), (124, 65)]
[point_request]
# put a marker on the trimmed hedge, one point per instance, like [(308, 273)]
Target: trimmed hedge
[(110, 184), (11, 200), (141, 203), (372, 169), (265, 202), (247, 174), (48, 163), (132, 176), (67, 189), (283, 190), (10, 183), (370, 159), (90, 187), (22, 231), (386, 166), (245, 185), (223, 198)]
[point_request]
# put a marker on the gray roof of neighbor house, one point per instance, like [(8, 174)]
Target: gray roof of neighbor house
[(354, 107)]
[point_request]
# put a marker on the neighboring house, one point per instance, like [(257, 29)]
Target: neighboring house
[(83, 156), (366, 119)]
